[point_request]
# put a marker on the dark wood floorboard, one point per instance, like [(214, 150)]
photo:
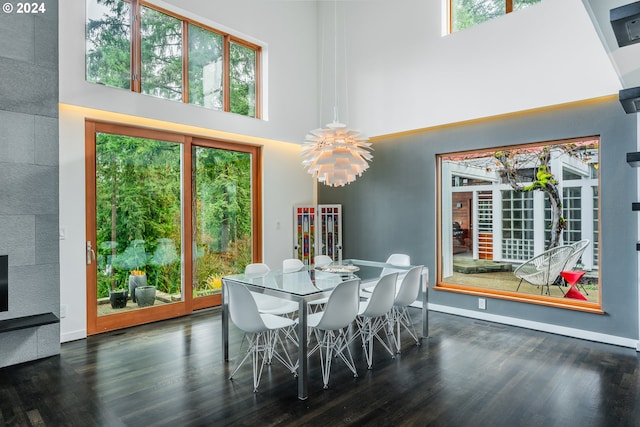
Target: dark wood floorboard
[(468, 373)]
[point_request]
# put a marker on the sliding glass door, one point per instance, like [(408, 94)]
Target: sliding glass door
[(222, 216), (138, 221), (163, 211)]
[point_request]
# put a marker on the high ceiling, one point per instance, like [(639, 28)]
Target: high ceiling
[(625, 60)]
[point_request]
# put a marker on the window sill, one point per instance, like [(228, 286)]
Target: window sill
[(563, 303)]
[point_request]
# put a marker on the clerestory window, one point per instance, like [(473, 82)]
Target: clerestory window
[(466, 13), (134, 45)]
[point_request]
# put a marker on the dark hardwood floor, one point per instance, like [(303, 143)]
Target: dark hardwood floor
[(468, 373)]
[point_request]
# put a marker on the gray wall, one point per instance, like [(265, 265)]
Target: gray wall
[(392, 207), (29, 177)]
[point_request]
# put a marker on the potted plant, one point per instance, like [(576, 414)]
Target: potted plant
[(137, 279), (134, 259), (145, 295), (118, 298)]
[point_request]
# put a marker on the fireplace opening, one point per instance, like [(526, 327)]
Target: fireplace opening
[(4, 282)]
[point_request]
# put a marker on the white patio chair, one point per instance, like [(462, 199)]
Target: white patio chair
[(261, 331), (373, 316), (543, 269), (329, 327)]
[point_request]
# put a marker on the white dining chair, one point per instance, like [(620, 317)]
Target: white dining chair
[(269, 304), (261, 332), (400, 260), (257, 269), (322, 260), (373, 316), (316, 305), (291, 265), (407, 293), (329, 327)]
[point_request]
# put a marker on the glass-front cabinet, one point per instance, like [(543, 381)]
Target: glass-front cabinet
[(317, 231)]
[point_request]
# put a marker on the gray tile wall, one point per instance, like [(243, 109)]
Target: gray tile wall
[(29, 177)]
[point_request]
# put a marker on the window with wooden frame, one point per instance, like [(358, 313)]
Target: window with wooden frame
[(132, 44), (513, 219), (466, 13)]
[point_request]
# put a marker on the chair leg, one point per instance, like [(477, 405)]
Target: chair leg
[(249, 339), (401, 317), (262, 349), (370, 330), (325, 362), (364, 325), (333, 345), (285, 359), (341, 346), (257, 374)]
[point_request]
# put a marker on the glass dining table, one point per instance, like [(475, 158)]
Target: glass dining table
[(310, 284)]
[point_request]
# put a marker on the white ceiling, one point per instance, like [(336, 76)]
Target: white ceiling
[(625, 60)]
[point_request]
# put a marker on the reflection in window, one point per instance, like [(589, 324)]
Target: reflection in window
[(222, 216), (109, 44), (161, 51), (205, 68), (243, 78), (509, 205)]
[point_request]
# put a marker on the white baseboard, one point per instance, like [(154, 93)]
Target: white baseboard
[(73, 336), (539, 326)]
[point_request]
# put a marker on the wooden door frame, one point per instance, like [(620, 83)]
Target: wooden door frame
[(97, 324)]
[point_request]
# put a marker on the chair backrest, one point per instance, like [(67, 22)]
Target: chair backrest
[(578, 250), (292, 264), (342, 307), (552, 262), (400, 260), (559, 260), (243, 309), (382, 297), (545, 267), (409, 287), (322, 260), (256, 269)]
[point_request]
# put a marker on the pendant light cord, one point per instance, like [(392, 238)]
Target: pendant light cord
[(335, 61)]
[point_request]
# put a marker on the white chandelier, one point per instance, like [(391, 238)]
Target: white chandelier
[(336, 155)]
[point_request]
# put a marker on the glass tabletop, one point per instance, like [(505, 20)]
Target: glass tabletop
[(311, 280), (302, 283)]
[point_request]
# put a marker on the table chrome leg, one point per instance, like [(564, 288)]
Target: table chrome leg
[(225, 325), (302, 350), (425, 304)]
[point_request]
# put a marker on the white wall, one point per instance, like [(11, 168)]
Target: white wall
[(404, 75), (292, 111), (287, 32)]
